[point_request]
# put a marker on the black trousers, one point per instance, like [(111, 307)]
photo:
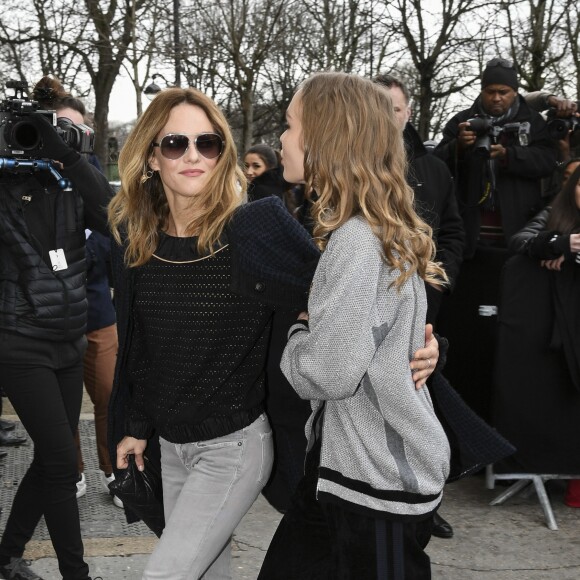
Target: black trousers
[(324, 541), (473, 337), (44, 382)]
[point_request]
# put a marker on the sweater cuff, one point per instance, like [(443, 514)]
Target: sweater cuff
[(138, 429), (562, 245), (297, 327)]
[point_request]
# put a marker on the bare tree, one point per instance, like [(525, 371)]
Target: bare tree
[(87, 39), (337, 32), (441, 42), (534, 33), (572, 31), (32, 36), (149, 33), (249, 55), (241, 34)]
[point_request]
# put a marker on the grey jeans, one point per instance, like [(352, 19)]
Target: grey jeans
[(208, 486)]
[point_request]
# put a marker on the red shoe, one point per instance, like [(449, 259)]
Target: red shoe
[(572, 498)]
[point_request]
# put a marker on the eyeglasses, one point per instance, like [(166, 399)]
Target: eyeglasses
[(174, 145), (503, 62)]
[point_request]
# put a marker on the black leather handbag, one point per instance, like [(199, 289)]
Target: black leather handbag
[(142, 493)]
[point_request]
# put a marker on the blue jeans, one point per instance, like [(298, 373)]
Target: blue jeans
[(208, 486)]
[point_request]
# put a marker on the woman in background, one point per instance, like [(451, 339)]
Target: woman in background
[(198, 274), (264, 174), (541, 313)]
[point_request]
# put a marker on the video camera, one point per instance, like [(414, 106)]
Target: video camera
[(487, 133), (20, 138), (559, 127)]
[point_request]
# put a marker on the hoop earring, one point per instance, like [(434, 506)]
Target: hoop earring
[(146, 176)]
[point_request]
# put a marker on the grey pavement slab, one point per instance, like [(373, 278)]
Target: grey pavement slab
[(506, 542)]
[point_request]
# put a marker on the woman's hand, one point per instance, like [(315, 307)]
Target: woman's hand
[(131, 446), (553, 264), (425, 359), (303, 316)]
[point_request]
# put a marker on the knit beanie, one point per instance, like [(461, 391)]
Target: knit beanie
[(499, 71)]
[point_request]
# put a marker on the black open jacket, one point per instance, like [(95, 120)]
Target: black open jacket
[(564, 289), (273, 261), (435, 202)]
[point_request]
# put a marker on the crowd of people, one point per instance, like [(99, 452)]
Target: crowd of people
[(272, 323)]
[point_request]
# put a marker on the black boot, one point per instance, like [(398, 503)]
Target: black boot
[(441, 528)]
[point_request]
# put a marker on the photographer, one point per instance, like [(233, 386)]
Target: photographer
[(542, 101), (498, 189), (563, 120), (498, 170), (43, 315)]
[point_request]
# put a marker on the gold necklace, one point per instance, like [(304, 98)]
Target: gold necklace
[(191, 261)]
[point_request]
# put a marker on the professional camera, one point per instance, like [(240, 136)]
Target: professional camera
[(559, 127), (19, 137), (78, 136), (488, 133)]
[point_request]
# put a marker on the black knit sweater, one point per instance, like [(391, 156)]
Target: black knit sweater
[(272, 262), (196, 362)]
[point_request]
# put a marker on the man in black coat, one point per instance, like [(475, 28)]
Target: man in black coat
[(436, 204), (434, 193), (498, 169)]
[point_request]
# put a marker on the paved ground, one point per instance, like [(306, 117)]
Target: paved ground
[(507, 542)]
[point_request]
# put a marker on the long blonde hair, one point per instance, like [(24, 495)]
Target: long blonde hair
[(140, 208), (354, 161)]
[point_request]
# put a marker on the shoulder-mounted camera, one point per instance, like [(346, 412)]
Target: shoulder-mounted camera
[(20, 138)]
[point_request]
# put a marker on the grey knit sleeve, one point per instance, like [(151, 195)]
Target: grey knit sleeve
[(328, 359)]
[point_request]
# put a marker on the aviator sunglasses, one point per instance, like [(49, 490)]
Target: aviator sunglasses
[(174, 145)]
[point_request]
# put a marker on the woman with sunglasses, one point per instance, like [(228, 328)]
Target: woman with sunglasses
[(198, 273), (197, 276)]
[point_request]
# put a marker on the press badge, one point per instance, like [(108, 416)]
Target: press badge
[(58, 260)]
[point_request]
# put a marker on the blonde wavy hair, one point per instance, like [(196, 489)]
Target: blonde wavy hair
[(139, 210), (354, 161)]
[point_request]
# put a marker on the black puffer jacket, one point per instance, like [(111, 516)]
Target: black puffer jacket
[(37, 217)]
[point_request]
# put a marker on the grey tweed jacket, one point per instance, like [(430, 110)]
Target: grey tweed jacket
[(383, 448)]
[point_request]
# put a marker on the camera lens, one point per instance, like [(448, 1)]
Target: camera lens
[(24, 136), (479, 125), (558, 128)]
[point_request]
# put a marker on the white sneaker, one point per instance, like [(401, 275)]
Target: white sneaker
[(81, 485), (105, 480)]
